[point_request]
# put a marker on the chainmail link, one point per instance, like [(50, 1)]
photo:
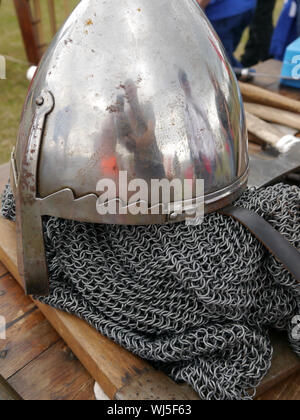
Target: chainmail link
[(198, 302)]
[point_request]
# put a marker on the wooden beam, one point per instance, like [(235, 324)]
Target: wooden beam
[(53, 375), (67, 8), (29, 35), (52, 16), (7, 393), (38, 23)]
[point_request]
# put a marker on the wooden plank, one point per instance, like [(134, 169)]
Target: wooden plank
[(38, 23), (28, 33), (13, 303), (25, 341), (3, 270), (52, 16), (256, 94), (285, 391), (285, 363), (7, 393), (85, 392), (54, 375), (274, 115), (67, 8)]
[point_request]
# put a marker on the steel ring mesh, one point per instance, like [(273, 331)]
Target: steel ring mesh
[(198, 302)]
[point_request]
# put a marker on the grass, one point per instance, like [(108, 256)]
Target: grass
[(13, 90)]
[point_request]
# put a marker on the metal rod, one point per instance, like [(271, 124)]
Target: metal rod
[(252, 74)]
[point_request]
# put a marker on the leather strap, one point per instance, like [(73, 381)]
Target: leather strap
[(285, 252)]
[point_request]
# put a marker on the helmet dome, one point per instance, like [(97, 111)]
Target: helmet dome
[(138, 87)]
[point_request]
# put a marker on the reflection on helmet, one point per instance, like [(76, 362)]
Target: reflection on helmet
[(141, 87)]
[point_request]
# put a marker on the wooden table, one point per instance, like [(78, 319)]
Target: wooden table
[(38, 356), (34, 359)]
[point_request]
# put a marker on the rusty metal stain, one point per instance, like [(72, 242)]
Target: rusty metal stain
[(112, 109), (68, 41), (3, 354), (129, 376), (140, 371), (126, 378)]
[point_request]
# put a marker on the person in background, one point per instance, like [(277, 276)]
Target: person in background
[(261, 31), (298, 17), (229, 18), (286, 30)]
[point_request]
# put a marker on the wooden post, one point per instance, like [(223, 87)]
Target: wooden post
[(29, 35), (51, 9), (67, 8), (7, 393), (39, 26)]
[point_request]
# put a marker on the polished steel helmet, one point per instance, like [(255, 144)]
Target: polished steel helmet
[(134, 86)]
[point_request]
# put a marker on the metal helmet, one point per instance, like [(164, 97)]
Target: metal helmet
[(138, 87)]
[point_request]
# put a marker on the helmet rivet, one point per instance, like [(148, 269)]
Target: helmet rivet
[(173, 216), (40, 101)]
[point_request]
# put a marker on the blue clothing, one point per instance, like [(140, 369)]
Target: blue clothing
[(286, 30), (230, 31), (222, 9), (298, 18)]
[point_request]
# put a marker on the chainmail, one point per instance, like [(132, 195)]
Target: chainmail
[(197, 302)]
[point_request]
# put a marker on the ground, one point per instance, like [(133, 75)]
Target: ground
[(13, 89)]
